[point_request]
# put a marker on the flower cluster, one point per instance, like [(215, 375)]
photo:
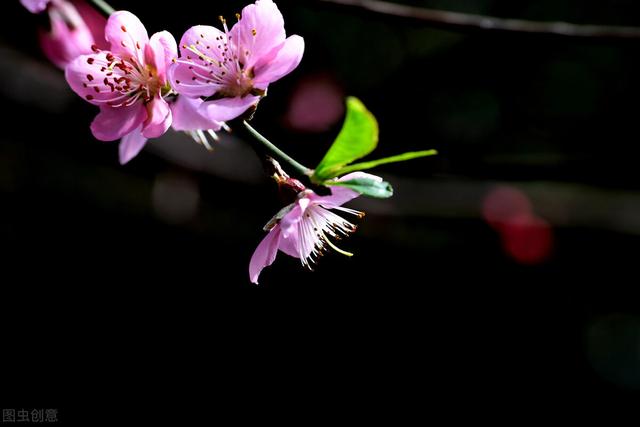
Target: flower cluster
[(144, 85)]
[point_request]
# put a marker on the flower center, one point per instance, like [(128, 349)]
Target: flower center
[(221, 63), (120, 82)]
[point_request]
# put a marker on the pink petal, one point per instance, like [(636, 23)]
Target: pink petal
[(265, 20), (131, 145), (286, 60), (341, 195), (63, 44), (127, 35), (182, 81), (113, 123), (158, 118), (161, 50), (290, 221), (187, 116), (226, 109), (356, 175), (264, 254), (190, 76), (205, 40), (95, 21), (289, 244), (35, 6), (89, 77)]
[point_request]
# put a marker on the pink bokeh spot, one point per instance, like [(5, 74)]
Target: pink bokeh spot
[(317, 104), (503, 203), (525, 237)]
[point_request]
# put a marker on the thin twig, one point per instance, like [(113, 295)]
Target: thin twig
[(466, 21), (278, 153)]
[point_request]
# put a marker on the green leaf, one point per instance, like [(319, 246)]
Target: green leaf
[(393, 159), (357, 138), (367, 187)]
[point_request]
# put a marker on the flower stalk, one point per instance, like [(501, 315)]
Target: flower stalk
[(278, 153)]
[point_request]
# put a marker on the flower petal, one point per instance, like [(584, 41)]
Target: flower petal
[(191, 74), (226, 109), (35, 6), (127, 35), (289, 244), (113, 123), (95, 21), (131, 145), (184, 82), (290, 221), (62, 44), (341, 195), (160, 51), (158, 118), (264, 254), (259, 30), (187, 116), (203, 39), (286, 60)]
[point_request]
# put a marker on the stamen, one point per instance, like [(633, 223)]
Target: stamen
[(334, 247)]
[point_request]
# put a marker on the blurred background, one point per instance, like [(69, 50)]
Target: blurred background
[(502, 270)]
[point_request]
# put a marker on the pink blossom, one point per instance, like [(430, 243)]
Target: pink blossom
[(128, 83), (303, 229), (75, 28), (237, 65), (35, 6)]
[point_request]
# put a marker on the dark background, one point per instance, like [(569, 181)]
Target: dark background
[(125, 288)]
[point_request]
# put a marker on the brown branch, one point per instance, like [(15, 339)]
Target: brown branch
[(466, 21)]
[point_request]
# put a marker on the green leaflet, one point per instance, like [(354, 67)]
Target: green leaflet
[(357, 138), (397, 158), (367, 186)]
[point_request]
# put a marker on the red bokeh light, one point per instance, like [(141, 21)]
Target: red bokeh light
[(526, 238)]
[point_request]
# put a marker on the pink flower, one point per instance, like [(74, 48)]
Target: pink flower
[(128, 83), (75, 28), (237, 65), (35, 6), (304, 228)]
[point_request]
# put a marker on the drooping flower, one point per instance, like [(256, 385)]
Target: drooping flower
[(304, 228), (75, 28), (236, 66), (35, 6), (128, 82)]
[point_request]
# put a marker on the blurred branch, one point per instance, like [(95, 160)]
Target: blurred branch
[(466, 21), (104, 7)]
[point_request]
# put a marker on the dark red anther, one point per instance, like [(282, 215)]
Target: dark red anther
[(90, 61), (89, 77)]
